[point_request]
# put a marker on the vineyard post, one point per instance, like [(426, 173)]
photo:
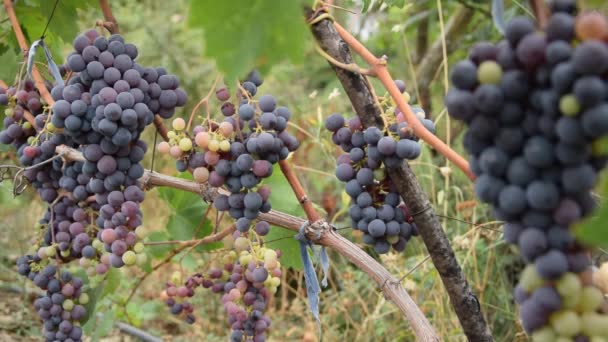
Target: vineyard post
[(465, 303)]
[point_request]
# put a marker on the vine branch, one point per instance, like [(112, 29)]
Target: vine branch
[(110, 22), (378, 66)]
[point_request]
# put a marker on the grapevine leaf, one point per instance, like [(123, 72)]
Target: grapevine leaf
[(366, 4), (111, 282), (395, 3), (104, 326), (591, 231), (187, 211), (253, 34), (63, 23)]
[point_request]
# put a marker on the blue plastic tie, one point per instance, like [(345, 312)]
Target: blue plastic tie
[(49, 60), (310, 276), (498, 12)]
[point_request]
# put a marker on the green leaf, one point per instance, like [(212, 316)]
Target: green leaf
[(158, 251), (592, 231), (105, 325), (366, 4), (251, 34), (395, 3), (185, 220), (111, 282), (94, 297), (63, 23)]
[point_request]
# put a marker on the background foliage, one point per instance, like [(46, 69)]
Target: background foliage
[(198, 39)]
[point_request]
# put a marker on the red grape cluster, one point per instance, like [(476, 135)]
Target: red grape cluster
[(537, 115), (237, 153), (246, 282)]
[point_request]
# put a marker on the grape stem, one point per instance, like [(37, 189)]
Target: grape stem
[(541, 12), (204, 101), (110, 22), (296, 186)]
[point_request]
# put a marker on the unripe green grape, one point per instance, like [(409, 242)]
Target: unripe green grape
[(379, 174), (65, 253), (489, 72), (83, 299), (9, 112), (141, 232), (545, 334), (599, 147), (591, 298), (27, 125), (50, 127), (68, 305), (98, 245), (225, 145), (171, 135), (568, 284), (185, 144), (139, 247), (570, 301), (129, 258), (530, 279), (569, 105), (392, 239), (176, 277), (566, 323), (241, 243), (594, 324), (245, 259), (178, 124), (50, 251), (213, 145)]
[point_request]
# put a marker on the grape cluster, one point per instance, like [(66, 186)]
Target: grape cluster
[(17, 129), (377, 210), (103, 109), (537, 113), (246, 281), (62, 307), (237, 153), (68, 231)]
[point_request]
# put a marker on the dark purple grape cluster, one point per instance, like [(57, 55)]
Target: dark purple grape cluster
[(62, 307), (103, 109), (537, 112), (260, 141), (377, 210)]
